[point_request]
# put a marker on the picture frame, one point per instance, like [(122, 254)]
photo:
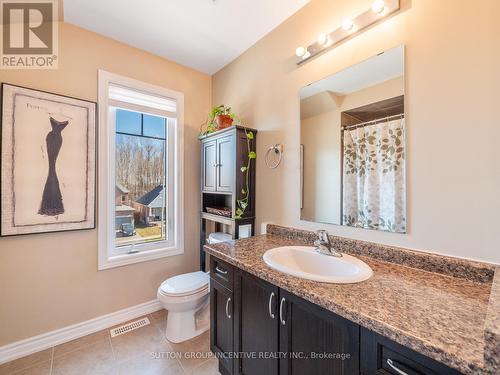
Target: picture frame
[(48, 155)]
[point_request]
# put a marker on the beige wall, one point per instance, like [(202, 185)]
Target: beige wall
[(320, 136), (372, 94), (453, 127), (48, 281)]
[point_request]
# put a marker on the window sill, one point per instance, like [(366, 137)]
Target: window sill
[(126, 259)]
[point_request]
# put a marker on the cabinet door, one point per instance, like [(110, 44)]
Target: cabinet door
[(208, 174), (316, 341), (256, 323), (225, 164), (221, 325)]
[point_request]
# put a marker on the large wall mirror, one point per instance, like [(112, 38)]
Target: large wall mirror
[(352, 135)]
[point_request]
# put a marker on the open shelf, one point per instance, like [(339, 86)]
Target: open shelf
[(217, 218)]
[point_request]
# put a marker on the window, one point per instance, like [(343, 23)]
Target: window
[(140, 171), (141, 150)]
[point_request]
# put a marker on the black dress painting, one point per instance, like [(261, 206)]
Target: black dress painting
[(52, 203), (48, 142)]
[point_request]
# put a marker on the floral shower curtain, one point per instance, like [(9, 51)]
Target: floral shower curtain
[(374, 177)]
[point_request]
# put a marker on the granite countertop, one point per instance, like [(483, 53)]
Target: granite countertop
[(449, 319)]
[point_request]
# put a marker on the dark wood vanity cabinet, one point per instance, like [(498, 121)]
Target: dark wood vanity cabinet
[(256, 322), (264, 330), (275, 332), (319, 341)]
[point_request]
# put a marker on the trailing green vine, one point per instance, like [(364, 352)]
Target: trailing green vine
[(242, 203)]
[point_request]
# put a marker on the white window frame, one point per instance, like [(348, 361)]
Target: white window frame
[(107, 256)]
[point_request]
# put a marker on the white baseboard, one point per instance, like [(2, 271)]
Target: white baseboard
[(47, 340)]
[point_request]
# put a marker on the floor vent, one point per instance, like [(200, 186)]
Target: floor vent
[(126, 328)]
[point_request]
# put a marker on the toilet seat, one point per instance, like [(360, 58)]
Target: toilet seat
[(185, 285)]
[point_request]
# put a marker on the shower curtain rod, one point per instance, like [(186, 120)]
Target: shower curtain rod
[(362, 124)]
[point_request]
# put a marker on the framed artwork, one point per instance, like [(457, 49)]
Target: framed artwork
[(48, 162)]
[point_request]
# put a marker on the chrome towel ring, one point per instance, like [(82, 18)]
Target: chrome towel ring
[(275, 152)]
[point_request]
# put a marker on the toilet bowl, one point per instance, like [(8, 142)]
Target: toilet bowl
[(186, 297)]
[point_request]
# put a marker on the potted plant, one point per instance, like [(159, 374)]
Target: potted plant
[(221, 117)]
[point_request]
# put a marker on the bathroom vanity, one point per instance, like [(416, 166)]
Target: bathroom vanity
[(403, 320), (275, 310)]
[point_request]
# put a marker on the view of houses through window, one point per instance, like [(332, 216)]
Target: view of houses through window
[(140, 163)]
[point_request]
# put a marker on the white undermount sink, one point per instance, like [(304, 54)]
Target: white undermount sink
[(305, 262)]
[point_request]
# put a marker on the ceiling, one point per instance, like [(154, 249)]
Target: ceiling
[(380, 68), (202, 34)]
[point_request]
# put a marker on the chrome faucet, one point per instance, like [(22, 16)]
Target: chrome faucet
[(324, 246)]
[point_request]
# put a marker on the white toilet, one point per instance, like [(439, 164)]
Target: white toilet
[(186, 297)]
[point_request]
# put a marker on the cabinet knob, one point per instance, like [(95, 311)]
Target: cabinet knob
[(227, 308), (271, 313), (220, 270), (393, 366), (283, 321)]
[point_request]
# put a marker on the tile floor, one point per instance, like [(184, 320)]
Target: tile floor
[(144, 351)]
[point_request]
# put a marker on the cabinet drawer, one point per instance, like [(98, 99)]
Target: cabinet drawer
[(222, 272), (381, 356)]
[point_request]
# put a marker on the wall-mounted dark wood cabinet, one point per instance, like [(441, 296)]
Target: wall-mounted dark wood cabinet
[(208, 166), (270, 331), (218, 164), (223, 154)]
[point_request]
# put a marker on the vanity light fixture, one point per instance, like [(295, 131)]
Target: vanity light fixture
[(378, 7), (323, 38), (347, 25), (300, 51), (378, 11)]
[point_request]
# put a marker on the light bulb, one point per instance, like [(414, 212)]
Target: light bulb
[(300, 51), (347, 25), (378, 6), (322, 38)]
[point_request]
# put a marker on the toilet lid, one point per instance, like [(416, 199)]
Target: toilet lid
[(185, 284)]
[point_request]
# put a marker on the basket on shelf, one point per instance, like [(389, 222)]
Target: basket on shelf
[(221, 211)]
